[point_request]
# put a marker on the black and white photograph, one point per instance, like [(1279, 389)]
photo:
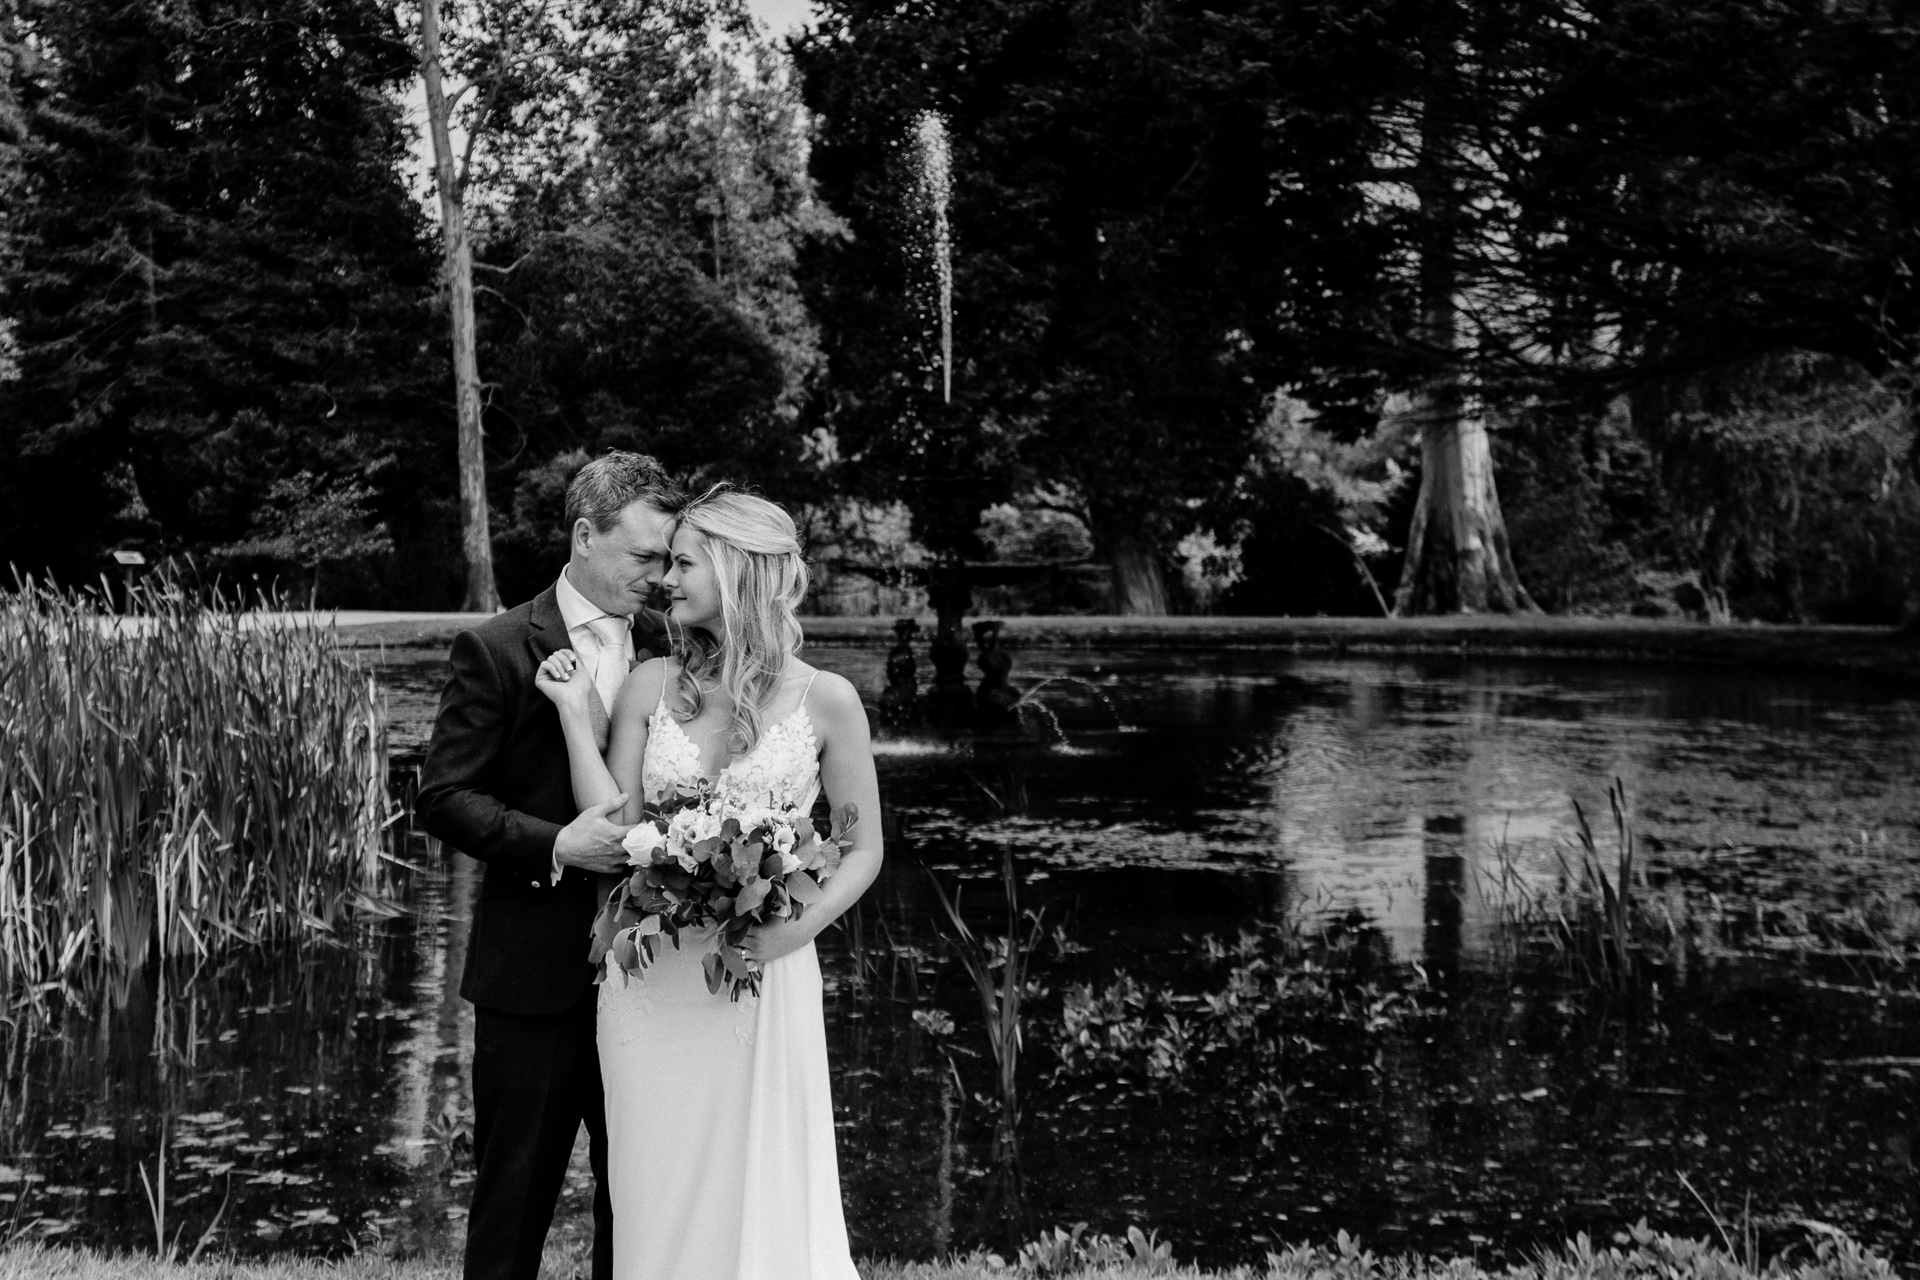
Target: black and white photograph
[(959, 639)]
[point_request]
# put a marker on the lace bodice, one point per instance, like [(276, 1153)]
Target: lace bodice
[(783, 767)]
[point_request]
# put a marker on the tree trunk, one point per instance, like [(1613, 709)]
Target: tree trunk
[(476, 542), (1457, 555), (1458, 560), (1139, 579)]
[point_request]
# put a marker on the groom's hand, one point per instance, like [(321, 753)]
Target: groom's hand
[(592, 841)]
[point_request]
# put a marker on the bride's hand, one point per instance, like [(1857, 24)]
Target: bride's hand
[(565, 681), (766, 943)]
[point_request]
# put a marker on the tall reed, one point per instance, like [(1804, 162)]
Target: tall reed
[(175, 782), (1012, 954), (1612, 898), (1597, 917)]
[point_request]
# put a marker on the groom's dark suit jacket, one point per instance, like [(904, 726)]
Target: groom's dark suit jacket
[(496, 785)]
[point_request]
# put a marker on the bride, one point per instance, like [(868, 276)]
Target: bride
[(721, 1157)]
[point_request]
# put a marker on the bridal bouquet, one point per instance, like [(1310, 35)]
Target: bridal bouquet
[(701, 859)]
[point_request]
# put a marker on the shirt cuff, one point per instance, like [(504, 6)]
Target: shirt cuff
[(558, 871)]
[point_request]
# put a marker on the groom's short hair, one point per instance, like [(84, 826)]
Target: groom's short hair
[(615, 480)]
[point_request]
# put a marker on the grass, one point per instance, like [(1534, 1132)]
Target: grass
[(174, 784), (1642, 1254)]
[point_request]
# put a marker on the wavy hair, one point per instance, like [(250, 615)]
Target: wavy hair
[(762, 579)]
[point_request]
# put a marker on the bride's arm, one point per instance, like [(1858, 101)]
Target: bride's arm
[(847, 776), (627, 745)]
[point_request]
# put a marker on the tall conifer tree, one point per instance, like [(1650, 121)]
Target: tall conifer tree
[(224, 275)]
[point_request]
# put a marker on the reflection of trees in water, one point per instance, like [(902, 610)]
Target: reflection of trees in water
[(272, 1069), (431, 1119), (1389, 798)]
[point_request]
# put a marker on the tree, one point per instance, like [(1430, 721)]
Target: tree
[(1743, 186), (1457, 558), (13, 124), (221, 274), (1713, 190), (516, 58), (1118, 258), (633, 210), (13, 135)]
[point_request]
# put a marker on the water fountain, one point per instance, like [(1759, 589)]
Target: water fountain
[(950, 581), (933, 173)]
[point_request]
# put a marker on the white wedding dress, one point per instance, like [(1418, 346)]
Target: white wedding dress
[(721, 1158)]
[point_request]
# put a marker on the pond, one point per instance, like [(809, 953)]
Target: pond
[(1418, 1081)]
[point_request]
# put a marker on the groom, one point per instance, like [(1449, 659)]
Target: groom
[(496, 786)]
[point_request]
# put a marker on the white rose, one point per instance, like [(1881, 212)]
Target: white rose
[(643, 842), (783, 838)]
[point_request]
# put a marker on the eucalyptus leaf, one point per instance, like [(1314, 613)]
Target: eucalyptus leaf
[(804, 888)]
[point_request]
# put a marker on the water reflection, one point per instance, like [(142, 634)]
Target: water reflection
[(328, 1088)]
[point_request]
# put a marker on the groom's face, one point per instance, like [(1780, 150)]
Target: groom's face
[(619, 568)]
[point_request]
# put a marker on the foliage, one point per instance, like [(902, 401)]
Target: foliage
[(1002, 1001), (1121, 233), (1722, 181), (701, 858), (1189, 243), (175, 784), (1288, 990), (15, 59), (1638, 1254), (1610, 928), (222, 279), (639, 292), (1316, 515), (1062, 1253), (307, 523), (1723, 228), (1014, 533), (1780, 490)]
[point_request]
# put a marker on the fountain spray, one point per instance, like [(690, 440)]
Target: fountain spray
[(934, 162)]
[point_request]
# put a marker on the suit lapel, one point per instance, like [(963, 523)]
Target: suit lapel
[(546, 630)]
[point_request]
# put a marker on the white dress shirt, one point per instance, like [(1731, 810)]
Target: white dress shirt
[(604, 644)]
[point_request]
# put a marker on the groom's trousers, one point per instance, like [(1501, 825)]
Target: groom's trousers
[(535, 1080)]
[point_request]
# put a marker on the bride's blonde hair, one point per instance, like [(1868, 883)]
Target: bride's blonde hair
[(762, 580)]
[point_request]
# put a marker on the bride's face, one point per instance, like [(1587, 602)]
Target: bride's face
[(690, 584)]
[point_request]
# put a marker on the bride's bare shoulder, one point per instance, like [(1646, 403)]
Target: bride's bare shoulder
[(834, 704), (641, 691)]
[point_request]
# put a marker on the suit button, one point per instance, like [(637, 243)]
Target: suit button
[(534, 883)]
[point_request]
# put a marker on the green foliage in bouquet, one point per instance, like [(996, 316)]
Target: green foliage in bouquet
[(702, 860)]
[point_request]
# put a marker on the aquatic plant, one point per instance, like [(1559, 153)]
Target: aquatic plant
[(1292, 989), (155, 1189), (1001, 1000), (1596, 919), (1114, 1028), (176, 782), (1611, 900)]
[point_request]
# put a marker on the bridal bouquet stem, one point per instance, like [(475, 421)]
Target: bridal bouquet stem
[(702, 859)]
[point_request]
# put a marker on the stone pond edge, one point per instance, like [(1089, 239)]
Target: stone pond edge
[(1876, 653)]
